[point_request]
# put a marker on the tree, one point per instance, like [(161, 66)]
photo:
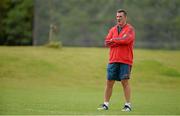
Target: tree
[(18, 23), (4, 6)]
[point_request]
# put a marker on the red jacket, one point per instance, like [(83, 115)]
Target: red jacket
[(121, 45)]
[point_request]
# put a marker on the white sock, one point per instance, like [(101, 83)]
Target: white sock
[(128, 104), (106, 103)]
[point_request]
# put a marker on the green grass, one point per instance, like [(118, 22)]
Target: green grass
[(39, 80)]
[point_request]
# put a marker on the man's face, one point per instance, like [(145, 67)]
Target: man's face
[(121, 18)]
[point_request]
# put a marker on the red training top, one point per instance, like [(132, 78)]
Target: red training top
[(121, 45)]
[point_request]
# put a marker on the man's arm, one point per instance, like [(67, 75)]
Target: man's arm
[(108, 40), (126, 39)]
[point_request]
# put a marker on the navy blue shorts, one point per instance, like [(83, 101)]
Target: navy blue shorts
[(118, 71)]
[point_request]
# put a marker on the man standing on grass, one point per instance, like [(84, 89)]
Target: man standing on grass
[(120, 40)]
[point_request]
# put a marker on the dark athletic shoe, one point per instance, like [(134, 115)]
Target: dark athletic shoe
[(126, 108), (103, 107)]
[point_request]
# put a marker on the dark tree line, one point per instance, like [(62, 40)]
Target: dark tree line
[(86, 22)]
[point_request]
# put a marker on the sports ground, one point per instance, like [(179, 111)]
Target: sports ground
[(40, 80)]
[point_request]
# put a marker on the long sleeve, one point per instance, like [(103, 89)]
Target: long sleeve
[(108, 41), (127, 37)]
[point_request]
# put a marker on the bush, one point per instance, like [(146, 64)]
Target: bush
[(54, 44)]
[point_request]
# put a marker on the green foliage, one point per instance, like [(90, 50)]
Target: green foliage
[(155, 22), (86, 23), (54, 44), (80, 22), (18, 22), (4, 5)]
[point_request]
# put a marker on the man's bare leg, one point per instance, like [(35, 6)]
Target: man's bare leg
[(108, 91), (127, 90), (127, 94)]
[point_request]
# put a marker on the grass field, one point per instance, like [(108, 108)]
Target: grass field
[(39, 80)]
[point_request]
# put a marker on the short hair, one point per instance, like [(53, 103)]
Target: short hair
[(122, 10)]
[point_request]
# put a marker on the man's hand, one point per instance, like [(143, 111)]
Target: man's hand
[(109, 42)]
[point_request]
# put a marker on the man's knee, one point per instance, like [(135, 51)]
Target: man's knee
[(125, 82), (110, 83)]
